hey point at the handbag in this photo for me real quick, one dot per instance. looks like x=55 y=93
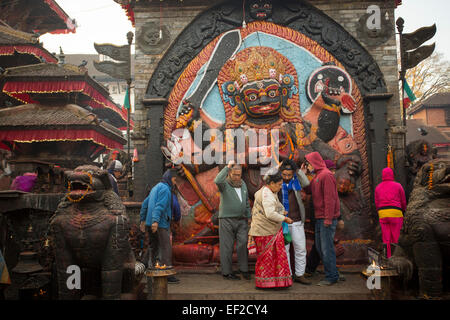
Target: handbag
x=251 y=245
x=286 y=234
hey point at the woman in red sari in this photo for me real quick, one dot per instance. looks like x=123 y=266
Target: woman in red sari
x=272 y=268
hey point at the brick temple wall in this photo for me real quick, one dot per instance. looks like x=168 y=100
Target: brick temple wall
x=177 y=15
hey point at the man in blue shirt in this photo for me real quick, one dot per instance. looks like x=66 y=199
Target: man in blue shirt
x=158 y=210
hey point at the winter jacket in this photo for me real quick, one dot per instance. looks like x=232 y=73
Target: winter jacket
x=267 y=213
x=230 y=204
x=324 y=190
x=144 y=209
x=389 y=195
x=159 y=206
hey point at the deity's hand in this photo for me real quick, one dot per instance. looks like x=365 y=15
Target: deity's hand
x=352 y=162
x=349 y=168
x=185 y=116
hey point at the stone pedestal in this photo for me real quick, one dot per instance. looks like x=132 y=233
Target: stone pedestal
x=158 y=280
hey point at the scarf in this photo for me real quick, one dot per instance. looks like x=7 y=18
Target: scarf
x=294 y=184
x=233 y=183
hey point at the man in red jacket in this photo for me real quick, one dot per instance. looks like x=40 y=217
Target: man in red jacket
x=326 y=211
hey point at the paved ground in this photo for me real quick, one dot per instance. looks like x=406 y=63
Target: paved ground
x=212 y=286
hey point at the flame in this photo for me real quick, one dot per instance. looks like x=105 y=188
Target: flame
x=157 y=266
x=374 y=264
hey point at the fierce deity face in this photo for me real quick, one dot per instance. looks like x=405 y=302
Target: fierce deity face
x=260 y=88
x=260 y=9
x=261 y=98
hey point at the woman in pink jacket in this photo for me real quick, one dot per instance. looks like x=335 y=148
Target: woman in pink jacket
x=390 y=202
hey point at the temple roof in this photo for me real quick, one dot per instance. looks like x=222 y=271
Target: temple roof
x=45 y=70
x=437 y=100
x=67 y=118
x=11 y=36
x=433 y=136
x=37 y=15
x=65 y=83
x=17 y=48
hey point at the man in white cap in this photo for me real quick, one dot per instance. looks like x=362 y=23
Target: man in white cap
x=115 y=171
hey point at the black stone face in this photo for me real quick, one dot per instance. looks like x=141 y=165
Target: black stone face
x=260 y=99
x=260 y=10
x=328 y=77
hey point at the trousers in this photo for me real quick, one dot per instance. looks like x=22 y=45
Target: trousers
x=390 y=231
x=299 y=242
x=160 y=248
x=233 y=230
x=324 y=237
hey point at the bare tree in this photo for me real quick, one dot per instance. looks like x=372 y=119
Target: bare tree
x=429 y=77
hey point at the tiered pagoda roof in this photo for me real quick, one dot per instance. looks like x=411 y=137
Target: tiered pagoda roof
x=37 y=15
x=21 y=48
x=51 y=132
x=50 y=83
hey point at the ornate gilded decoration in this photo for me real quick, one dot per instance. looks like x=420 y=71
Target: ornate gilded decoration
x=259 y=83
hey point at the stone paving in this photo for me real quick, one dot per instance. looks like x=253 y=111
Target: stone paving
x=212 y=286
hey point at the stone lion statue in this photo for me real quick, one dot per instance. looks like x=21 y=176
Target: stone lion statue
x=424 y=244
x=90 y=230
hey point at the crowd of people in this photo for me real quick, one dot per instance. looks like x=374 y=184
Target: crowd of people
x=274 y=223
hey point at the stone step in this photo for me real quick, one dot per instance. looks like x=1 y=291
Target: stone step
x=215 y=287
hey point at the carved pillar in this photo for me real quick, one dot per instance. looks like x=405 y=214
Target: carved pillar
x=154 y=159
x=375 y=109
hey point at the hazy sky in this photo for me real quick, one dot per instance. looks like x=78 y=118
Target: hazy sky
x=104 y=21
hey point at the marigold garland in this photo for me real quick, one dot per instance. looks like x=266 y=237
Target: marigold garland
x=87 y=189
x=430 y=177
x=390 y=158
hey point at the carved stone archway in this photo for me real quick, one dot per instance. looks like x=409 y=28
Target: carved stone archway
x=297 y=15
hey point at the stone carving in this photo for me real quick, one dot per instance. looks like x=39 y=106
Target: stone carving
x=418 y=153
x=119 y=53
x=298 y=15
x=90 y=229
x=424 y=241
x=260 y=9
x=150 y=40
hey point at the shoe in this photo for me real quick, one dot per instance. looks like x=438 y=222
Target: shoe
x=308 y=274
x=246 y=275
x=231 y=277
x=302 y=280
x=324 y=283
x=173 y=279
x=341 y=277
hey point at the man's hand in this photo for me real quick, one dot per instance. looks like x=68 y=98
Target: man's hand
x=288 y=220
x=326 y=224
x=303 y=168
x=340 y=225
x=142 y=226
x=230 y=164
x=154 y=227
x=285 y=213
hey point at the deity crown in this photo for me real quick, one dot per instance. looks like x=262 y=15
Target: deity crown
x=255 y=64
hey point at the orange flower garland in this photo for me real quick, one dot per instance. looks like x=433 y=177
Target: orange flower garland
x=390 y=157
x=87 y=189
x=430 y=177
